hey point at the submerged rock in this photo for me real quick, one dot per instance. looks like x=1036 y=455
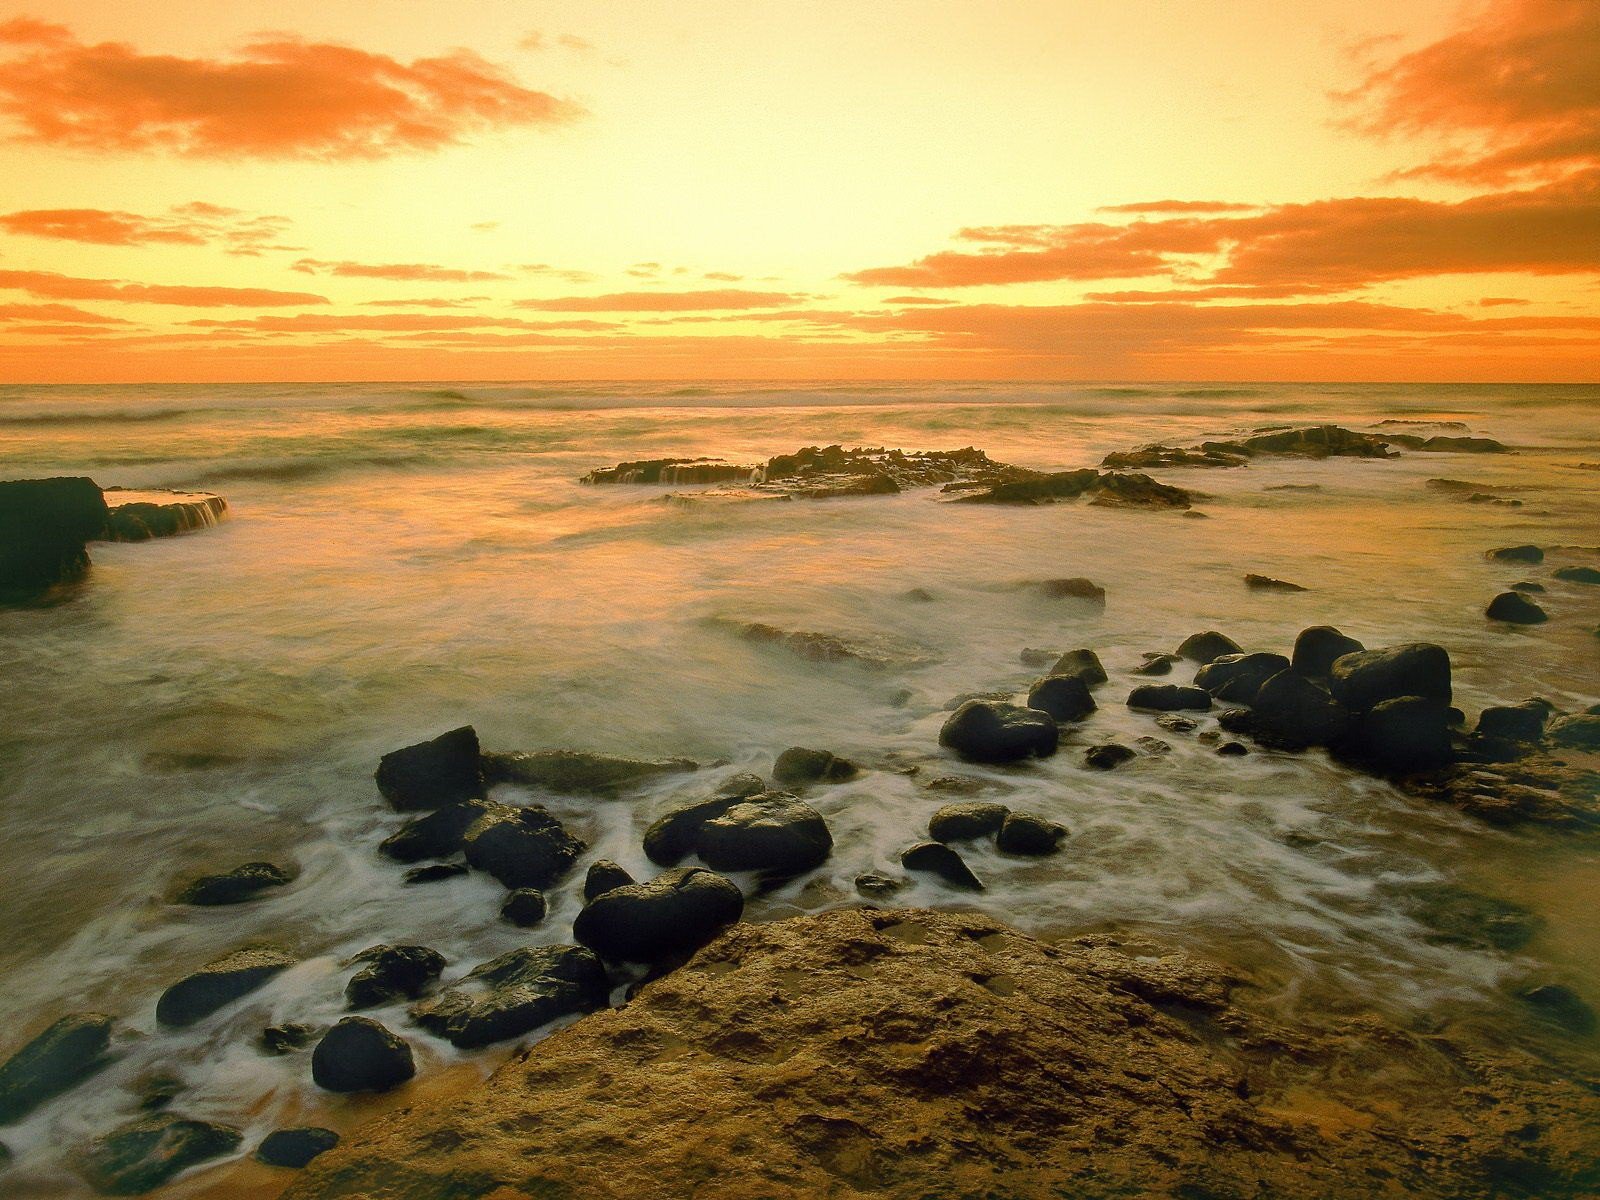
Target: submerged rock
x=360 y=1055
x=1207 y=647
x=1366 y=678
x=1561 y=1005
x=825 y=647
x=138 y=516
x=285 y=1038
x=1157 y=664
x=219 y=983
x=392 y=973
x=672 y=471
x=966 y=821
x=797 y=765
x=434 y=873
x=1316 y=648
x=1110 y=487
x=514 y=994
x=1169 y=697
x=875 y=885
x=1578 y=574
x=1064 y=697
x=990 y=732
x=294 y=1148
x=432 y=774
x=1462 y=445
x=575 y=771
x=1515 y=608
x=1027 y=834
x=45 y=525
x=521 y=847
x=938 y=859
x=1578 y=732
x=242 y=883
x=59 y=1059
x=1076 y=588
x=1107 y=755
x=1521 y=554
x=142 y=1155
x=678 y=911
x=1265 y=583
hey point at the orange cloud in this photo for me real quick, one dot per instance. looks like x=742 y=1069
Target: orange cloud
x=712 y=300
x=279 y=98
x=193 y=224
x=1177 y=206
x=386 y=323
x=52 y=286
x=55 y=312
x=403 y=272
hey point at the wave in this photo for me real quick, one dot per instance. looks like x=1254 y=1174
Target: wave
x=93 y=418
x=293 y=470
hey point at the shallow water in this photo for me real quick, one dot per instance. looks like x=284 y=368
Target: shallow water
x=403 y=559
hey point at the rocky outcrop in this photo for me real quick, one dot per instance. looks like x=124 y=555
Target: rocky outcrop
x=1578 y=575
x=514 y=994
x=138 y=516
x=1082 y=663
x=994 y=732
x=1207 y=647
x=1316 y=648
x=444 y=770
x=45 y=525
x=1238 y=677
x=59 y=1059
x=1366 y=678
x=1525 y=553
x=1064 y=697
x=437 y=834
x=1169 y=697
x=219 y=983
x=667 y=917
x=672 y=471
x=144 y=1154
x=1314 y=441
x=578 y=772
x=906 y=1053
x=1107 y=488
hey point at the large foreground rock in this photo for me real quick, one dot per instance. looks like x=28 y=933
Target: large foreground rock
x=678 y=911
x=60 y=1058
x=913 y=1054
x=44 y=525
x=1367 y=678
x=361 y=1055
x=445 y=770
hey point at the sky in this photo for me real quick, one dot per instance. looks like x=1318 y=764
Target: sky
x=767 y=189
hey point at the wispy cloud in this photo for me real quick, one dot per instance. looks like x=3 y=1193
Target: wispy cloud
x=49 y=285
x=399 y=272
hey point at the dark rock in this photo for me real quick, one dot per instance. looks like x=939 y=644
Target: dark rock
x=797 y=766
x=1522 y=554
x=432 y=774
x=672 y=836
x=1458 y=916
x=282 y=1039
x=875 y=885
x=1025 y=833
x=1174 y=723
x=985 y=731
x=1292 y=712
x=1578 y=574
x=741 y=786
x=392 y=973
x=1207 y=647
x=1317 y=647
x=219 y=983
x=1233 y=749
x=1579 y=732
x=671 y=471
x=675 y=913
x=521 y=847
x=524 y=907
x=813 y=646
x=1238 y=677
x=1515 y=608
x=1064 y=697
x=1076 y=588
x=142 y=1155
x=295 y=1147
x=514 y=994
x=44 y=525
x=578 y=772
x=939 y=859
x=1463 y=445
x=604 y=875
x=967 y=821
x=434 y=873
x=157 y=1090
x=1154 y=745
x=1039 y=658
x=60 y=1058
x=1132 y=488
x=918 y=595
x=1265 y=583
x=134 y=516
x=1514 y=722
x=439 y=833
x=1107 y=756
x=1169 y=697
x=771 y=832
x=1527 y=585
x=360 y=1055
x=1083 y=663
x=1318 y=441
x=1157 y=664
x=1560 y=1004
x=1368 y=677
x=1401 y=736
x=244 y=882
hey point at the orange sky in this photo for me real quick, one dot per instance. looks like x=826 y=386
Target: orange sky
x=1128 y=189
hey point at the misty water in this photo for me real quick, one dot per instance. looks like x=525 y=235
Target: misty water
x=402 y=559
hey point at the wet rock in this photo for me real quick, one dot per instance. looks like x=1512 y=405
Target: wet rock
x=1578 y=732
x=938 y=859
x=1064 y=697
x=1368 y=677
x=1317 y=441
x=142 y=1155
x=44 y=525
x=1027 y=834
x=1458 y=916
x=1169 y=697
x=295 y=1148
x=219 y=983
x=604 y=875
x=1292 y=712
x=1105 y=757
x=1233 y=749
x=1154 y=745
x=1521 y=554
x=138 y=516
x=521 y=847
x=918 y=595
x=1265 y=583
x=990 y=732
x=1076 y=588
x=439 y=833
x=524 y=907
x=1401 y=736
x=742 y=786
x=1175 y=723
x=576 y=772
x=666 y=917
x=157 y=1089
x=514 y=994
x=286 y=1038
x=673 y=835
x=1039 y=658
x=875 y=885
x=771 y=832
x=1238 y=677
x=1515 y=608
x=1316 y=648
x=434 y=873
x=1527 y=585
x=360 y=1055
x=432 y=774
x=1578 y=574
x=671 y=471
x=1207 y=647
x=1131 y=488
x=1157 y=664
x=392 y=973
x=244 y=882
x=967 y=821
x=1083 y=663
x=63 y=1056
x=1463 y=445
x=797 y=766
x=1561 y=1005
x=1514 y=722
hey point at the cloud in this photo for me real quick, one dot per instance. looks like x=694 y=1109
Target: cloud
x=564 y=273
x=52 y=286
x=279 y=97
x=724 y=298
x=402 y=272
x=194 y=224
x=386 y=323
x=55 y=312
x=1517 y=93
x=1177 y=206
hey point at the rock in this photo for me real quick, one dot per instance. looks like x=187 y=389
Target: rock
x=1039 y=658
x=1560 y=1004
x=1457 y=916
x=142 y=1155
x=514 y=994
x=1514 y=722
x=1317 y=647
x=1233 y=749
x=392 y=973
x=63 y=1056
x=244 y=882
x=875 y=885
x=1265 y=583
x=1033 y=487
x=282 y=1039
x=1076 y=588
x=672 y=471
x=1463 y=445
x=44 y=525
x=1154 y=745
x=296 y=1147
x=669 y=916
x=604 y=875
x=138 y=516
x=157 y=1089
x=1292 y=712
x=797 y=766
x=434 y=873
x=874 y=655
x=521 y=847
x=577 y=772
x=1527 y=585
x=1025 y=833
x=1085 y=664
x=1578 y=574
x=1157 y=664
x=1105 y=757
x=1238 y=677
x=1318 y=441
x=1368 y=677
x=939 y=859
x=1174 y=723
x=1207 y=647
x=432 y=774
x=439 y=833
x=360 y=1055
x=918 y=595
x=773 y=832
x=966 y=821
x=1401 y=736
x=524 y=907
x=219 y=983
x=672 y=836
x=742 y=786
x=1579 y=732
x=1064 y=697
x=1522 y=554
x=1515 y=608
x=1169 y=697
x=990 y=732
